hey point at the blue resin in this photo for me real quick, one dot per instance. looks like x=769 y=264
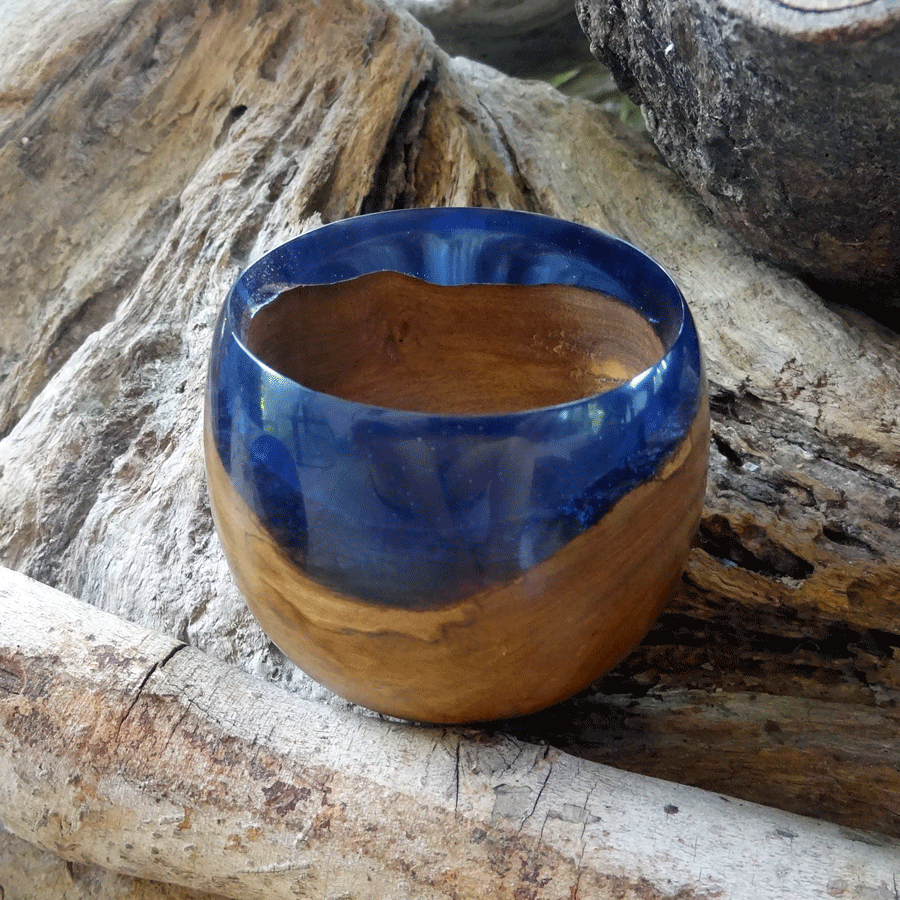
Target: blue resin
x=418 y=510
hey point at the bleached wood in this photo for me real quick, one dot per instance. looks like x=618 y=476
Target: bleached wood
x=29 y=873
x=127 y=748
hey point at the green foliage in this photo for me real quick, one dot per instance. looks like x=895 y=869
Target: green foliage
x=593 y=81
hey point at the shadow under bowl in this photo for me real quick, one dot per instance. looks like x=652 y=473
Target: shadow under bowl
x=456 y=457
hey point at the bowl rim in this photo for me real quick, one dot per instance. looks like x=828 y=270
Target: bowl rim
x=420 y=216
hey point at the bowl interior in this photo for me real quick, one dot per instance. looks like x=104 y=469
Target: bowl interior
x=388 y=339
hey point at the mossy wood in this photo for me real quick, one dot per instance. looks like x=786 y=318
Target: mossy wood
x=150 y=150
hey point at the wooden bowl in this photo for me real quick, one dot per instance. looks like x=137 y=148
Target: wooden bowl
x=456 y=457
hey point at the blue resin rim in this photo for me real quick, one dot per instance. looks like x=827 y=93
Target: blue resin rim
x=609 y=443
x=393 y=240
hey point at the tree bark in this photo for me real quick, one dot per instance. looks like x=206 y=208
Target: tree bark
x=780 y=115
x=149 y=150
x=125 y=747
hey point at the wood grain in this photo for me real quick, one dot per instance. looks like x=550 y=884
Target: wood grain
x=390 y=340
x=503 y=651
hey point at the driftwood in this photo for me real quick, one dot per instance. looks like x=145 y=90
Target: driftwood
x=148 y=150
x=29 y=873
x=782 y=116
x=128 y=747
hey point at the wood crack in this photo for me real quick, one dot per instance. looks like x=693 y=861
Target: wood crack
x=526 y=190
x=138 y=694
x=394 y=182
x=12 y=680
x=540 y=793
x=456 y=776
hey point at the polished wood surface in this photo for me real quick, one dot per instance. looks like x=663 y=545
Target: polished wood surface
x=390 y=340
x=504 y=651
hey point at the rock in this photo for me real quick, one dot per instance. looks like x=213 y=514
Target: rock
x=782 y=117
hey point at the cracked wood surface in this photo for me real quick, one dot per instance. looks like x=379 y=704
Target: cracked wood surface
x=126 y=746
x=149 y=150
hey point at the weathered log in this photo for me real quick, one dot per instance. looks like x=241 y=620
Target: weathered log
x=125 y=747
x=188 y=138
x=782 y=116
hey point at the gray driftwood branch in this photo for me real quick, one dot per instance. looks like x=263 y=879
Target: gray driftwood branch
x=125 y=748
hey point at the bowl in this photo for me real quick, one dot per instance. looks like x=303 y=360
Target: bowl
x=456 y=457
